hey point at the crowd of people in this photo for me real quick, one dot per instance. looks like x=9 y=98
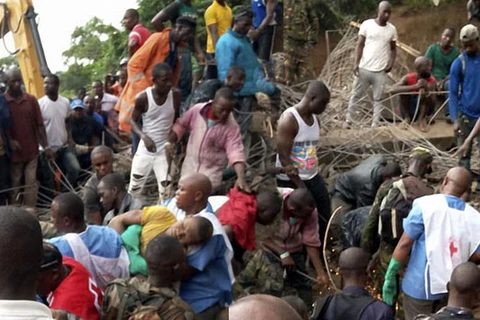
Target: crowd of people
x=109 y=253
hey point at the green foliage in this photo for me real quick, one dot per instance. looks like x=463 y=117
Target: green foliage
x=96 y=50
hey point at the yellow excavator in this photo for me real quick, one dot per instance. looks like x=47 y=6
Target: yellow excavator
x=18 y=17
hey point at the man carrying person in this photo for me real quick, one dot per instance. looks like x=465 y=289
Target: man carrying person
x=440 y=232
x=264 y=24
x=160 y=47
x=416 y=107
x=354 y=302
x=99 y=249
x=207 y=287
x=394 y=200
x=297 y=139
x=156 y=109
x=138 y=34
x=114 y=197
x=465 y=103
x=67 y=285
x=214 y=140
x=294 y=231
x=20 y=265
x=206 y=90
x=375 y=55
x=102 y=162
x=26 y=131
x=442 y=54
x=463 y=290
x=218 y=18
x=55 y=111
x=165 y=258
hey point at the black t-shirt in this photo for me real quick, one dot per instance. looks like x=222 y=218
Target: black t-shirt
x=84 y=129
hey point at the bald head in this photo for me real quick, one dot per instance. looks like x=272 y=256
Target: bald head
x=465 y=278
x=457 y=181
x=101 y=150
x=384 y=5
x=383 y=13
x=419 y=61
x=198 y=182
x=353 y=258
x=260 y=307
x=301 y=197
x=13 y=79
x=316 y=97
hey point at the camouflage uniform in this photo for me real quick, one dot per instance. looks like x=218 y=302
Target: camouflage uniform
x=138 y=300
x=300 y=32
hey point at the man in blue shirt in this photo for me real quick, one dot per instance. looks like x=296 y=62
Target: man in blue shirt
x=464 y=96
x=207 y=286
x=235 y=49
x=436 y=246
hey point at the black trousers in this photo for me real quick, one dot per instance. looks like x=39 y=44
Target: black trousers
x=4 y=179
x=318 y=189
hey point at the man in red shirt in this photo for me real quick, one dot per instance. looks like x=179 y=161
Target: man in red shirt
x=27 y=131
x=421 y=81
x=67 y=285
x=138 y=33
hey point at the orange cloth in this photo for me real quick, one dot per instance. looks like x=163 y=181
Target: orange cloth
x=116 y=89
x=155 y=50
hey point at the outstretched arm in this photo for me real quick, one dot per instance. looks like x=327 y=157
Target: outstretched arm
x=121 y=222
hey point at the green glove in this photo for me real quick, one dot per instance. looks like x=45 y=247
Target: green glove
x=390 y=287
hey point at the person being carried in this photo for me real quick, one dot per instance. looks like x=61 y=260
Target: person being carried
x=138 y=227
x=440 y=232
x=67 y=285
x=354 y=302
x=239 y=214
x=207 y=89
x=463 y=290
x=114 y=198
x=298 y=136
x=102 y=161
x=294 y=231
x=156 y=296
x=214 y=140
x=156 y=109
x=99 y=249
x=392 y=204
x=138 y=34
x=416 y=107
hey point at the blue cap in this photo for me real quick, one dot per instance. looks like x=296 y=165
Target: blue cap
x=77 y=103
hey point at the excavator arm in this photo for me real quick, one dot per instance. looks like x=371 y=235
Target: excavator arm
x=18 y=17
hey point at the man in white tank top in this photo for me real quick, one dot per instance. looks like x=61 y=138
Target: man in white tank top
x=156 y=109
x=297 y=140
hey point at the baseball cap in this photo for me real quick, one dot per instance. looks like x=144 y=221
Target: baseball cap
x=469 y=33
x=77 y=103
x=51 y=256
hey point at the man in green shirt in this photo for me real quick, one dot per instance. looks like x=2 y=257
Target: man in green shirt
x=442 y=54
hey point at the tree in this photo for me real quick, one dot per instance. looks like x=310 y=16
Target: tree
x=96 y=49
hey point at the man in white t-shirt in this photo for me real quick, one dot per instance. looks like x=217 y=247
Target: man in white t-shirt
x=375 y=56
x=55 y=110
x=107 y=105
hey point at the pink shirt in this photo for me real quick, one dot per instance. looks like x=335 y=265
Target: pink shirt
x=292 y=237
x=139 y=33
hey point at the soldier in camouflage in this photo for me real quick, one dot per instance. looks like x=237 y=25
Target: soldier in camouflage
x=300 y=33
x=420 y=161
x=154 y=298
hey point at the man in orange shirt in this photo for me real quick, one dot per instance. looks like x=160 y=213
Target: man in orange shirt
x=160 y=47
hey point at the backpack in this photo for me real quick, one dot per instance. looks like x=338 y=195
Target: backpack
x=345 y=306
x=396 y=206
x=136 y=299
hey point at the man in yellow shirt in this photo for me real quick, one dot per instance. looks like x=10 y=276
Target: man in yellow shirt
x=218 y=18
